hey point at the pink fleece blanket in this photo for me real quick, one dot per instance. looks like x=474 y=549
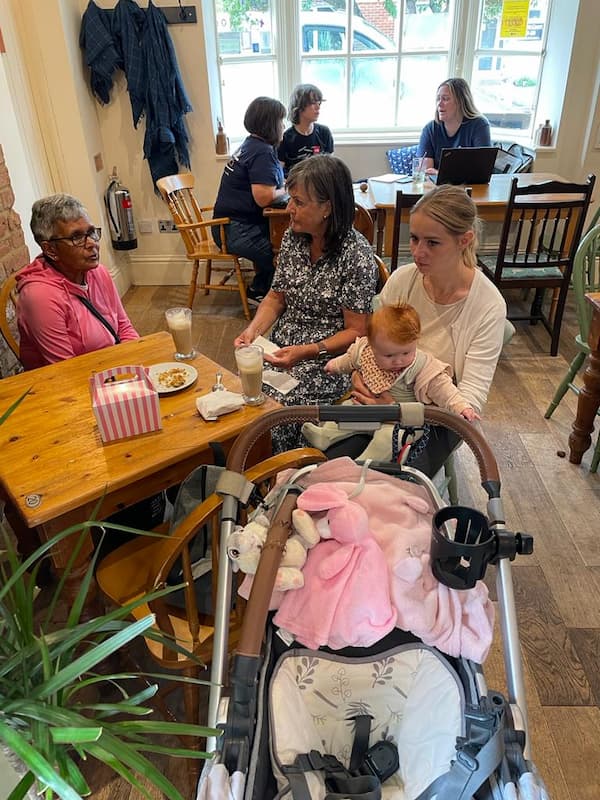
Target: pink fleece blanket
x=456 y=622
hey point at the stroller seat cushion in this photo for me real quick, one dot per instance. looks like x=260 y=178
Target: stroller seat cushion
x=413 y=695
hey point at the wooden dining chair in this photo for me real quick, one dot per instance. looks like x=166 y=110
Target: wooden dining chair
x=8 y=308
x=586 y=278
x=540 y=235
x=178 y=193
x=363 y=223
x=145 y=564
x=404 y=202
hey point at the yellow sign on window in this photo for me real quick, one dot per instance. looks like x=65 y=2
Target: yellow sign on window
x=514 y=19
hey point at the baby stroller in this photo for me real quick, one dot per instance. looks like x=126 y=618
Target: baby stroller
x=395 y=718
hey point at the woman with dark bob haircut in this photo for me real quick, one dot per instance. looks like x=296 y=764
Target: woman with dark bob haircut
x=305 y=137
x=321 y=294
x=252 y=180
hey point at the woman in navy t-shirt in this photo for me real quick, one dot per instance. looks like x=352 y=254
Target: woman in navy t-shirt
x=457 y=123
x=252 y=180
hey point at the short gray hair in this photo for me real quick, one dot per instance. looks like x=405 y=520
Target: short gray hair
x=45 y=213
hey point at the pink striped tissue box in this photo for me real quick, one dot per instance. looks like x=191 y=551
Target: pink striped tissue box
x=125 y=403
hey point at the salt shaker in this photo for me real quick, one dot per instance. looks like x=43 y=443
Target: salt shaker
x=218 y=386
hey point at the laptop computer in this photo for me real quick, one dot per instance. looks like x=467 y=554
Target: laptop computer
x=460 y=165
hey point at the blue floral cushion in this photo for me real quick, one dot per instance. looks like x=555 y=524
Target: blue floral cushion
x=401 y=159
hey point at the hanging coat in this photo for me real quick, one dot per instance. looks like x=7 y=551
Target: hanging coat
x=166 y=140
x=101 y=53
x=139 y=42
x=128 y=30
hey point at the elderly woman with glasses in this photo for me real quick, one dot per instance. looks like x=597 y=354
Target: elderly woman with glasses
x=68 y=302
x=306 y=137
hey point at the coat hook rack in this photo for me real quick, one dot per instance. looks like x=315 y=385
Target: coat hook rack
x=177 y=15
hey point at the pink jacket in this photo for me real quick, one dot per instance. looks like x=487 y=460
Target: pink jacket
x=55 y=325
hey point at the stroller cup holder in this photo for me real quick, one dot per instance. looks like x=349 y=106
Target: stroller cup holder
x=463 y=544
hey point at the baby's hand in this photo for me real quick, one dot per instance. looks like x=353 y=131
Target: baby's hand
x=469 y=414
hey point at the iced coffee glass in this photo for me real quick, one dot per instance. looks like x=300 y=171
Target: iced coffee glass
x=249 y=360
x=179 y=321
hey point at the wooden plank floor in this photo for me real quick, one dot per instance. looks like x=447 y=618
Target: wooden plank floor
x=557 y=589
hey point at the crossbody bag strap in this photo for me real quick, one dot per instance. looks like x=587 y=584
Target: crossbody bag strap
x=93 y=310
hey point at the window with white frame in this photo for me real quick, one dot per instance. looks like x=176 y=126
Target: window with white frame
x=378 y=62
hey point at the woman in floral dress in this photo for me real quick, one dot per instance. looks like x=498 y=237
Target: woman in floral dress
x=322 y=290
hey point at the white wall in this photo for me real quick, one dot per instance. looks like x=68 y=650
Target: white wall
x=76 y=127
x=20 y=163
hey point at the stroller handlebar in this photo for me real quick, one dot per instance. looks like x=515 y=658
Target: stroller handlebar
x=488 y=468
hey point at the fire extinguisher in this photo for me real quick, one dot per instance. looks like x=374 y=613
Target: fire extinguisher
x=120 y=214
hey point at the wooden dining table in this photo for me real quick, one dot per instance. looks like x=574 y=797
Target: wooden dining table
x=55 y=470
x=379 y=198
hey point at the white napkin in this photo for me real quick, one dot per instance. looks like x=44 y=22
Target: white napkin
x=282 y=381
x=267 y=345
x=213 y=404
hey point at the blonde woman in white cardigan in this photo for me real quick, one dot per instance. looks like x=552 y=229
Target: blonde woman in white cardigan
x=463 y=315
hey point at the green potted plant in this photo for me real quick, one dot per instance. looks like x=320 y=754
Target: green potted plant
x=48 y=671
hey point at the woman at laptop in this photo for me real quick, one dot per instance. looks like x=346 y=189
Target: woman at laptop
x=462 y=313
x=457 y=123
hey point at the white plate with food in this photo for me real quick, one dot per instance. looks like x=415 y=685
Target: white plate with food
x=172 y=376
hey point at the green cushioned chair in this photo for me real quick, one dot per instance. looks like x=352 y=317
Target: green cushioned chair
x=586 y=278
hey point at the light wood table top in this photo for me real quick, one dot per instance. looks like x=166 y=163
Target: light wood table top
x=485 y=195
x=54 y=466
x=380 y=199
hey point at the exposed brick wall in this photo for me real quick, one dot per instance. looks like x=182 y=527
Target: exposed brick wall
x=375 y=14
x=13 y=255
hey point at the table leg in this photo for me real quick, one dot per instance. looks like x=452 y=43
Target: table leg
x=587 y=406
x=379 y=240
x=62 y=552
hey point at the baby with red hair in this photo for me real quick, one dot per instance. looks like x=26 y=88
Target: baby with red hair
x=390 y=361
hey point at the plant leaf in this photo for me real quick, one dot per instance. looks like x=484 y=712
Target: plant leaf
x=22 y=787
x=133 y=727
x=36 y=763
x=12 y=407
x=88 y=660
x=75 y=735
x=129 y=757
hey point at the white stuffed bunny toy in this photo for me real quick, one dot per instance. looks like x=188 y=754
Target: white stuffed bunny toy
x=245 y=544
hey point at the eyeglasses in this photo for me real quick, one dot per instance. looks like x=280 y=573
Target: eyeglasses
x=79 y=239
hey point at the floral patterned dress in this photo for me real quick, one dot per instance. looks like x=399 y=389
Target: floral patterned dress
x=315 y=296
